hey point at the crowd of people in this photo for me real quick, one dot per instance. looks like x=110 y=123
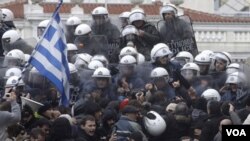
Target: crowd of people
x=126 y=83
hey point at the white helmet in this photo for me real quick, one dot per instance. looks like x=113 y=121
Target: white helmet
x=82 y=60
x=127 y=60
x=129 y=29
x=12 y=35
x=191 y=66
x=168 y=8
x=125 y=14
x=34 y=70
x=84 y=56
x=211 y=94
x=16 y=54
x=234 y=67
x=82 y=29
x=202 y=59
x=43 y=23
x=101 y=72
x=224 y=56
x=190 y=70
x=159 y=50
x=101 y=58
x=236 y=78
x=136 y=16
x=41 y=27
x=140 y=58
x=27 y=57
x=71 y=47
x=71 y=21
x=154 y=123
x=13 y=72
x=7 y=15
x=128 y=51
x=209 y=53
x=100 y=11
x=94 y=64
x=140 y=10
x=185 y=54
x=72 y=68
x=13 y=80
x=158 y=72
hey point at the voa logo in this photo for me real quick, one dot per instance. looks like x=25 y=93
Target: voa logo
x=236 y=132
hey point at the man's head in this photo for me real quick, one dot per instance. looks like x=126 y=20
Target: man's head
x=88 y=124
x=168 y=12
x=222 y=60
x=102 y=77
x=100 y=15
x=37 y=134
x=131 y=112
x=224 y=122
x=137 y=19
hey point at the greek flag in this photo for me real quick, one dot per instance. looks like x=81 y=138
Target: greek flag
x=50 y=56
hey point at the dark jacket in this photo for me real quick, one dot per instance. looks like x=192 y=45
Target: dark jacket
x=211 y=127
x=125 y=125
x=83 y=136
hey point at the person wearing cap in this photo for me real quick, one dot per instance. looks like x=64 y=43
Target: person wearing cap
x=127 y=124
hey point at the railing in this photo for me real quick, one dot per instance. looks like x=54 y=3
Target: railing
x=222 y=36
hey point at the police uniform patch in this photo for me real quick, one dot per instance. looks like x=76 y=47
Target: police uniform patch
x=203 y=58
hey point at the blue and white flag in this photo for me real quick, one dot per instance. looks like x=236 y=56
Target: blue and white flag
x=50 y=56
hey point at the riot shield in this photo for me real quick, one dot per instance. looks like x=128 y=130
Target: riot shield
x=178 y=34
x=109 y=49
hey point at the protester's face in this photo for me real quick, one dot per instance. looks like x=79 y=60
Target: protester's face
x=45 y=129
x=98 y=115
x=133 y=116
x=89 y=127
x=39 y=138
x=111 y=122
x=220 y=65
